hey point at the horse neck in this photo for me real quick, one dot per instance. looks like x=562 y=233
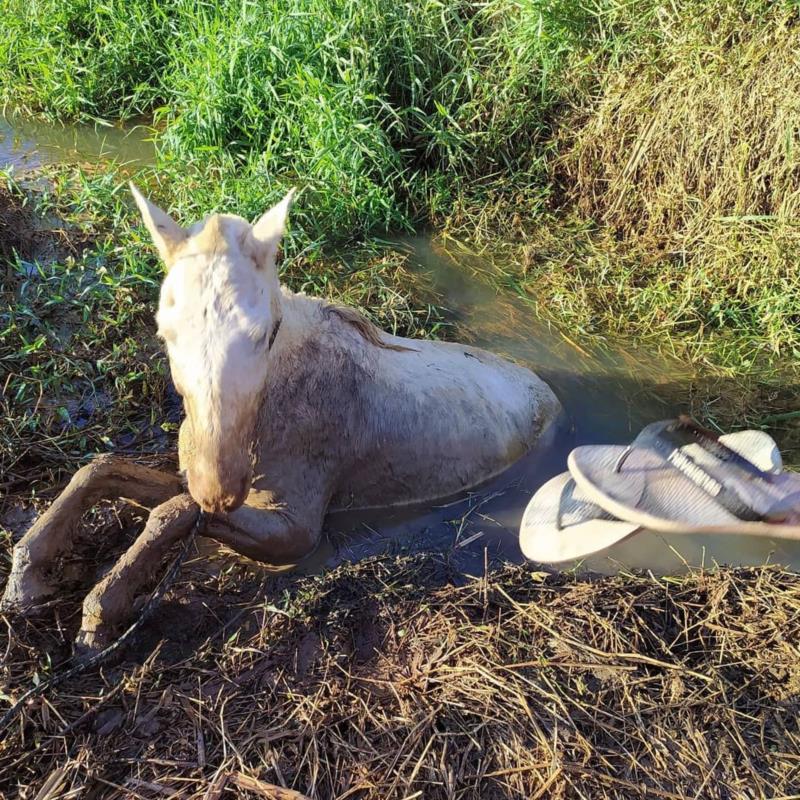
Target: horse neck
x=305 y=322
x=300 y=319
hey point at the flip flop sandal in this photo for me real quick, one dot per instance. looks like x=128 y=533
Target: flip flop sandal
x=680 y=478
x=561 y=523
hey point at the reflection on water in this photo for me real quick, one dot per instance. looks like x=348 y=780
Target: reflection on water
x=608 y=396
x=27 y=143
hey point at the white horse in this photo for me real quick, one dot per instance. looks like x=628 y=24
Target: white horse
x=293 y=406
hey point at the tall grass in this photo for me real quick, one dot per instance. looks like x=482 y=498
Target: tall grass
x=387 y=112
x=687 y=163
x=665 y=134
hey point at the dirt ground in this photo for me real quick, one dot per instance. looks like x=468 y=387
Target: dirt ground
x=17 y=232
x=25 y=235
x=396 y=678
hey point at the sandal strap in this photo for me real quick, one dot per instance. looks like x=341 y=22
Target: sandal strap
x=670 y=441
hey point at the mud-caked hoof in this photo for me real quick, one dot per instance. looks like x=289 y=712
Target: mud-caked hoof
x=90 y=642
x=26 y=590
x=106 y=610
x=25 y=603
x=9 y=607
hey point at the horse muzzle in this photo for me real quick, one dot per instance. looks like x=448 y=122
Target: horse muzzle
x=219 y=488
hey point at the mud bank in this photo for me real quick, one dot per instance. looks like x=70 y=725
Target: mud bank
x=393 y=678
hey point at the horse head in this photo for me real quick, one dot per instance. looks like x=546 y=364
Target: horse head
x=218 y=314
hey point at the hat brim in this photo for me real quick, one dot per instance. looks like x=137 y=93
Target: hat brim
x=648 y=491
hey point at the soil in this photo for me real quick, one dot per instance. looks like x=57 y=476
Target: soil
x=393 y=678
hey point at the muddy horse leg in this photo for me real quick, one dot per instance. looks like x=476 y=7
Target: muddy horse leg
x=276 y=537
x=53 y=534
x=110 y=603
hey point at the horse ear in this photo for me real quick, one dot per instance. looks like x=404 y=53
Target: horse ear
x=268 y=230
x=165 y=232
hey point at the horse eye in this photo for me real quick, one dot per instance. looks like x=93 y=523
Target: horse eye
x=261 y=342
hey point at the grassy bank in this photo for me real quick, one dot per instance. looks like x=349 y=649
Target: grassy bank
x=382 y=680
x=634 y=166
x=631 y=169
x=680 y=181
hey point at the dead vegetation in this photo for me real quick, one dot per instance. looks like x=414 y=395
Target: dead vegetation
x=689 y=158
x=392 y=678
x=671 y=149
x=676 y=190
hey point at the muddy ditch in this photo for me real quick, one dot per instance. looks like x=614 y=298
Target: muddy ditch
x=26 y=236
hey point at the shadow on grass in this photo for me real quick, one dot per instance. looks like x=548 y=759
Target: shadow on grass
x=384 y=679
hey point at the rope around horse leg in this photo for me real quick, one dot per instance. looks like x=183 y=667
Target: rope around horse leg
x=149 y=607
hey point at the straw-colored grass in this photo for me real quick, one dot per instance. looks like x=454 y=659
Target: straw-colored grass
x=689 y=160
x=384 y=680
x=703 y=132
x=675 y=192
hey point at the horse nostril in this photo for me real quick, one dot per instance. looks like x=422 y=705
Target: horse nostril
x=232 y=501
x=218 y=496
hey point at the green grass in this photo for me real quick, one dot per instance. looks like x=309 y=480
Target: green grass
x=387 y=113
x=630 y=167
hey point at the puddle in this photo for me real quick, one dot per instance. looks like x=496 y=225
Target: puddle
x=27 y=143
x=608 y=396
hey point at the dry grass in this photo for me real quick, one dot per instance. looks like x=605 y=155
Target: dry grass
x=675 y=190
x=706 y=131
x=687 y=164
x=387 y=679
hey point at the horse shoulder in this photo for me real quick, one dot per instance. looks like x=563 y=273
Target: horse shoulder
x=314 y=398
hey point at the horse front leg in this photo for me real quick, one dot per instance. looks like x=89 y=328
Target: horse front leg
x=110 y=603
x=53 y=535
x=276 y=535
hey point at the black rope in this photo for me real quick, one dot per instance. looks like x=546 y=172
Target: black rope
x=87 y=663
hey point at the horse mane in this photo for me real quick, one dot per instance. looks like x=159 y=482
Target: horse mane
x=366 y=329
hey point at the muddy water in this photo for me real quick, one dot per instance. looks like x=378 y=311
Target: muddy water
x=608 y=395
x=28 y=143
